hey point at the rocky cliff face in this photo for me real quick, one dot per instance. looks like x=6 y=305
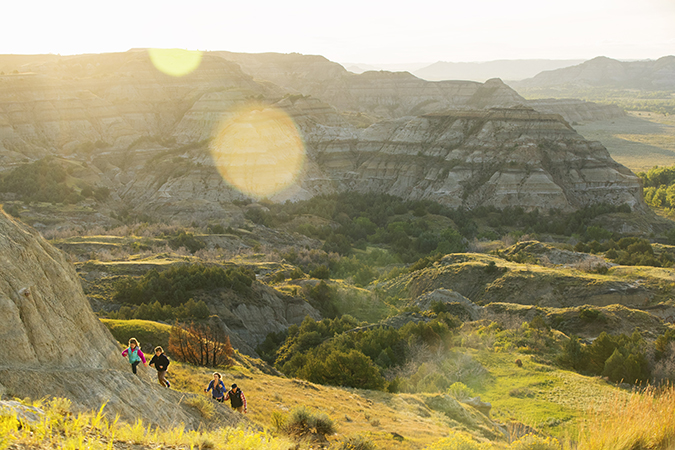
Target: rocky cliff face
x=142 y=134
x=246 y=319
x=382 y=93
x=498 y=157
x=108 y=102
x=51 y=344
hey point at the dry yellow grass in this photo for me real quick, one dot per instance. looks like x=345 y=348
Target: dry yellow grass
x=373 y=414
x=643 y=421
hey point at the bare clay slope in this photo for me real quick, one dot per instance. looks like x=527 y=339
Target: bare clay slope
x=51 y=344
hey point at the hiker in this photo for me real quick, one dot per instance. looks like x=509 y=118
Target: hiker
x=134 y=353
x=161 y=362
x=217 y=387
x=237 y=399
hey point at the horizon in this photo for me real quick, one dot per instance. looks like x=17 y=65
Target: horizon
x=355 y=33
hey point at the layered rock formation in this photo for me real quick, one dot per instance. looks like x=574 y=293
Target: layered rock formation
x=144 y=135
x=381 y=93
x=51 y=344
x=79 y=104
x=498 y=157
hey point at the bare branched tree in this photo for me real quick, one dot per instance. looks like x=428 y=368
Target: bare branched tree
x=201 y=344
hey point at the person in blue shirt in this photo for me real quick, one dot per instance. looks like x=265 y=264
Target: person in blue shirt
x=217 y=388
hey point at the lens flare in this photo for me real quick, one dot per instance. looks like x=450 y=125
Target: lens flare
x=259 y=151
x=174 y=61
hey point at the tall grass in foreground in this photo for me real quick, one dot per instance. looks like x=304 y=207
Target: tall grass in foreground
x=643 y=421
x=58 y=429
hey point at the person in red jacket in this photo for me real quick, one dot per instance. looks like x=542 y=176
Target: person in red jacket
x=237 y=399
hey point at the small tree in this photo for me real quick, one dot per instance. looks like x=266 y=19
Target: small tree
x=201 y=344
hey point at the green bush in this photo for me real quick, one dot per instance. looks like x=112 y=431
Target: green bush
x=174 y=285
x=40 y=181
x=322 y=273
x=589 y=314
x=460 y=391
x=187 y=240
x=339 y=368
x=302 y=423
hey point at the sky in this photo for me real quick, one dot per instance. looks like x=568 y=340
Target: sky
x=356 y=31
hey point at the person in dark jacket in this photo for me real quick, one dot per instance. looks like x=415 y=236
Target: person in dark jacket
x=161 y=362
x=217 y=387
x=237 y=399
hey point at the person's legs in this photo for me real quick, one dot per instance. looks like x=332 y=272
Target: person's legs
x=133 y=366
x=221 y=399
x=240 y=409
x=161 y=376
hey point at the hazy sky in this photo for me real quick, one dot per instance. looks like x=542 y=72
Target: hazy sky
x=363 y=31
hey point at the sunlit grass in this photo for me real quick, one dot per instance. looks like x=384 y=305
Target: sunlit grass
x=612 y=419
x=641 y=421
x=94 y=430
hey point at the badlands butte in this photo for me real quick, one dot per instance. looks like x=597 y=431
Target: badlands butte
x=145 y=135
x=433 y=153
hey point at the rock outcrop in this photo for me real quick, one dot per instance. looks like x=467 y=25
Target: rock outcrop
x=51 y=344
x=380 y=93
x=496 y=157
x=143 y=135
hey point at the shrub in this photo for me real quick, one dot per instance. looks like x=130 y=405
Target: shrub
x=322 y=273
x=357 y=442
x=41 y=181
x=201 y=404
x=187 y=240
x=303 y=423
x=173 y=285
x=491 y=268
x=589 y=314
x=460 y=391
x=339 y=368
x=12 y=210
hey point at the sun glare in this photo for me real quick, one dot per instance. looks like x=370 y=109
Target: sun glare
x=259 y=151
x=174 y=61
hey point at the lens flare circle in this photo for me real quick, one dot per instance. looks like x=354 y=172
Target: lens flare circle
x=259 y=151
x=175 y=61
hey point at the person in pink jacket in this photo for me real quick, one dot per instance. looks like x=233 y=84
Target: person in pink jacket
x=134 y=353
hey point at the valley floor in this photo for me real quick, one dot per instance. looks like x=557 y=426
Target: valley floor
x=639 y=141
